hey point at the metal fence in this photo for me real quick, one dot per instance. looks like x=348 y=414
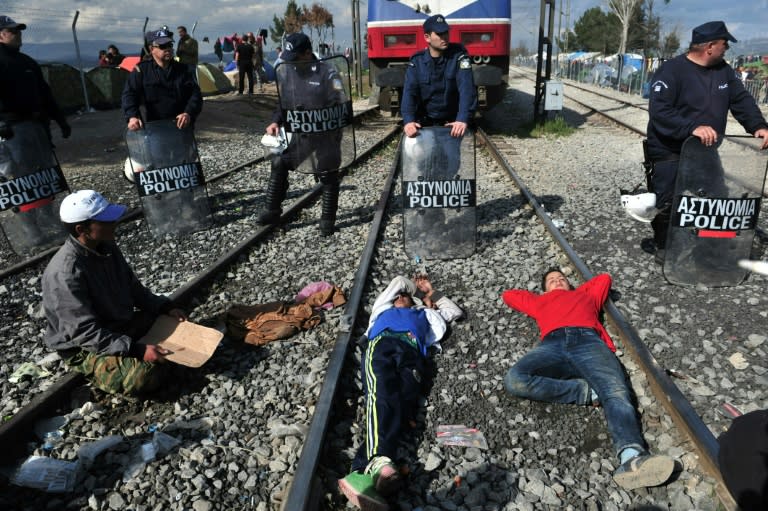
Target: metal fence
x=623 y=78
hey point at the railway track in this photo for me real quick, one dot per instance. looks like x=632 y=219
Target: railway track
x=260 y=425
x=630 y=112
x=136 y=213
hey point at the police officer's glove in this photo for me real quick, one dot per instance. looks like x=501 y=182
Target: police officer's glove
x=6 y=131
x=66 y=129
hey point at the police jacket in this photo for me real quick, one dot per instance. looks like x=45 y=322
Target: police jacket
x=165 y=93
x=685 y=95
x=306 y=85
x=441 y=89
x=24 y=94
x=89 y=298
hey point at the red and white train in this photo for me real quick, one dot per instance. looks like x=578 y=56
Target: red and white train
x=395 y=34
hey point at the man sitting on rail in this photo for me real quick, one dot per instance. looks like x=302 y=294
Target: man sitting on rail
x=575 y=363
x=90 y=297
x=399 y=334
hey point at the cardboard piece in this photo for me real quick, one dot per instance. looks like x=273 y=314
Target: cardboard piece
x=190 y=344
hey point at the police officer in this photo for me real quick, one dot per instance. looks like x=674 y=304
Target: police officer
x=691 y=95
x=439 y=89
x=24 y=94
x=167 y=88
x=318 y=85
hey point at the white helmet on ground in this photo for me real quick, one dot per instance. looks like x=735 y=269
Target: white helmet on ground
x=760 y=267
x=131 y=167
x=641 y=207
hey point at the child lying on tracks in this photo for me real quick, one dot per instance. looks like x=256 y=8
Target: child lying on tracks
x=575 y=363
x=399 y=334
x=89 y=297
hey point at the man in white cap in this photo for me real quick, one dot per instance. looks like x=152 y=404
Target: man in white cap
x=691 y=95
x=91 y=297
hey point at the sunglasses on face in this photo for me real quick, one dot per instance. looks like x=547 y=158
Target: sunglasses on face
x=166 y=46
x=12 y=30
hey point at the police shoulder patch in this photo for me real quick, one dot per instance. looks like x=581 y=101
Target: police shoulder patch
x=465 y=63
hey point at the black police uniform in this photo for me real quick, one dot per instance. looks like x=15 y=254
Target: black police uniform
x=318 y=85
x=165 y=93
x=439 y=90
x=24 y=94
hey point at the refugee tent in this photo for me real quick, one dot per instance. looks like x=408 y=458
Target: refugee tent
x=110 y=81
x=212 y=80
x=66 y=85
x=130 y=62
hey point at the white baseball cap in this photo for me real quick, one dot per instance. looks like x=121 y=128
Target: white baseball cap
x=89 y=205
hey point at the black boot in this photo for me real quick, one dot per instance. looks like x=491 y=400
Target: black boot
x=660 y=225
x=276 y=190
x=330 y=203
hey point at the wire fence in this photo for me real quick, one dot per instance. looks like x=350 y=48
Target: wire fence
x=631 y=78
x=49 y=36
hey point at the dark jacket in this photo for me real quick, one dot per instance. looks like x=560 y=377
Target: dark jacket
x=685 y=95
x=441 y=89
x=165 y=93
x=24 y=94
x=89 y=299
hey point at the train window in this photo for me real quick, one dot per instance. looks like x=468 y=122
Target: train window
x=476 y=37
x=397 y=40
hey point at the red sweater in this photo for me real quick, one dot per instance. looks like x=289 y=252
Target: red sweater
x=558 y=308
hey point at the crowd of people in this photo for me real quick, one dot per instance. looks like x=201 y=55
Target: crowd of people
x=97 y=309
x=111 y=57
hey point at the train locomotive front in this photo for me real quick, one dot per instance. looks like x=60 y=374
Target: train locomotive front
x=395 y=34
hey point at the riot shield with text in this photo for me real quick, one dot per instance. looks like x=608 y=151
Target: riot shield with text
x=317 y=114
x=31 y=188
x=439 y=193
x=714 y=214
x=169 y=178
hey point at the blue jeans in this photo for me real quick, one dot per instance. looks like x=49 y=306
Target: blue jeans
x=565 y=366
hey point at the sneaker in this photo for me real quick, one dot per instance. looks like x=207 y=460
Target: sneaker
x=385 y=476
x=360 y=491
x=644 y=470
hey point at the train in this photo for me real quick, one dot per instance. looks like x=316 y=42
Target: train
x=395 y=33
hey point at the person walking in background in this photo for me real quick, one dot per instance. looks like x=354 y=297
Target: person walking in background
x=186 y=49
x=244 y=57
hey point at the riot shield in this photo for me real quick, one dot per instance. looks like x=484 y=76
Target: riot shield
x=31 y=188
x=169 y=178
x=440 y=195
x=317 y=114
x=714 y=214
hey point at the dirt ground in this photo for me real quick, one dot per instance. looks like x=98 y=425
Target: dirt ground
x=98 y=138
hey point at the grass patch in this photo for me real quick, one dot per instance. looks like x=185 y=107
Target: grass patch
x=556 y=127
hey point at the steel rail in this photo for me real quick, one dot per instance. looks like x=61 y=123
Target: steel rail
x=639 y=131
x=300 y=491
x=664 y=389
x=14 y=433
x=138 y=212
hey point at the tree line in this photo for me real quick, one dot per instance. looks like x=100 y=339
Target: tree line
x=316 y=18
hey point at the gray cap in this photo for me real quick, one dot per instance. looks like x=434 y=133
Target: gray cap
x=7 y=22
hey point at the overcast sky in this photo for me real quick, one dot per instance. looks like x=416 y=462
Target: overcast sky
x=51 y=20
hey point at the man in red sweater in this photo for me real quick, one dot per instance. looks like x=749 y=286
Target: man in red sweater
x=575 y=363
